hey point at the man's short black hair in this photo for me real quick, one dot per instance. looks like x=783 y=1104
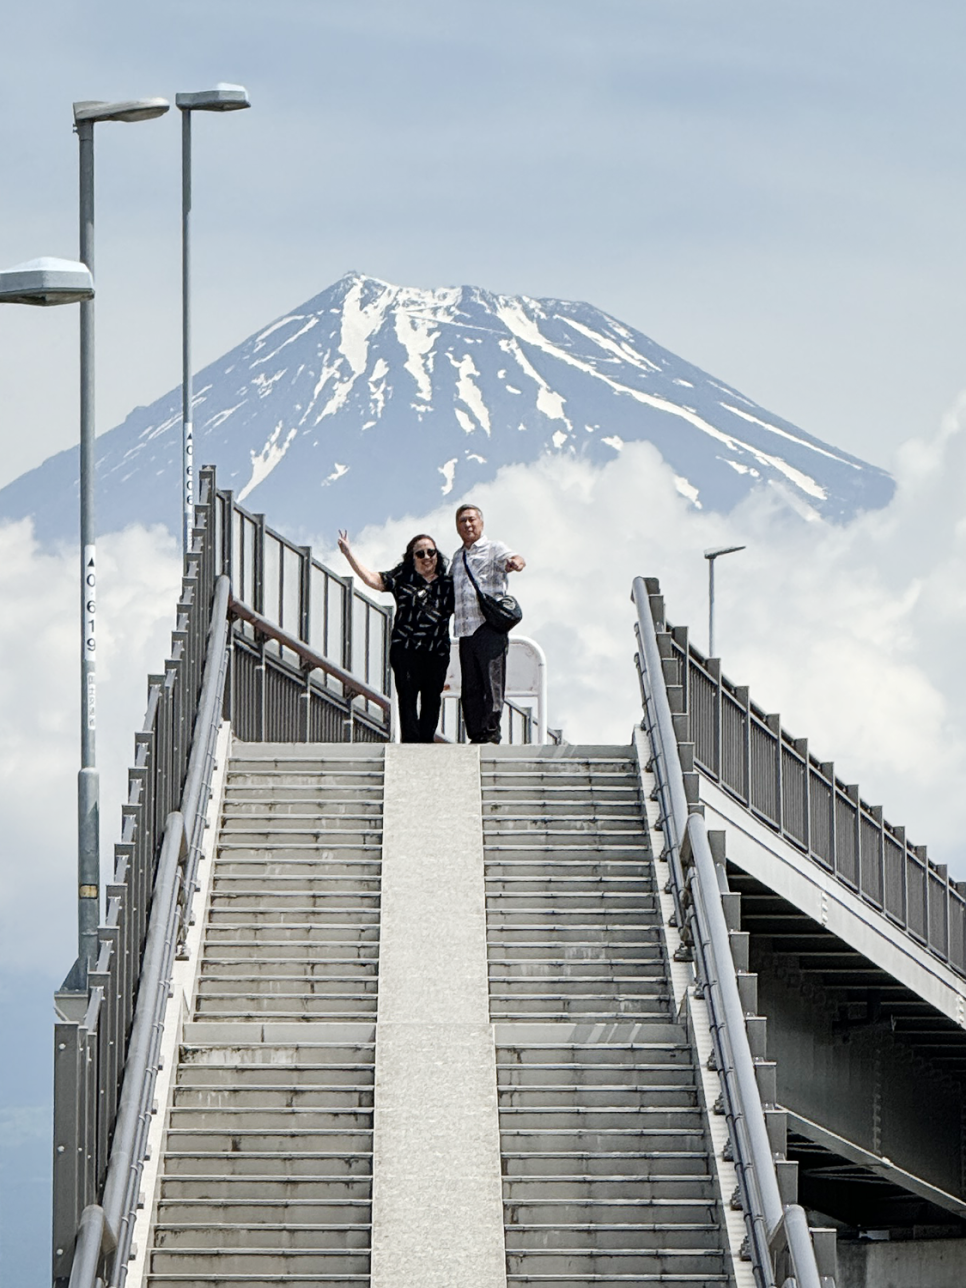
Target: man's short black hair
x=461 y=508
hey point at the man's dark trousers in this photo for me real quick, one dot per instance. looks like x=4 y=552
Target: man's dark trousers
x=482 y=681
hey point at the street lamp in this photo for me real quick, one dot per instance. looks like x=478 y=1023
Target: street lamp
x=86 y=115
x=47 y=282
x=711 y=555
x=223 y=98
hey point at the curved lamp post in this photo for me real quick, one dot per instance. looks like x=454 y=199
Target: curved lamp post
x=86 y=115
x=711 y=555
x=223 y=98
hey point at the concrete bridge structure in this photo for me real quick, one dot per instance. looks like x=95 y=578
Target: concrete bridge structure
x=685 y=1011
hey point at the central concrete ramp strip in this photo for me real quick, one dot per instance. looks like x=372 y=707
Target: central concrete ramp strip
x=437 y=1208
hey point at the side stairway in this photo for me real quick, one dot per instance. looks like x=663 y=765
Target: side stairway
x=266 y=1176
x=606 y=1156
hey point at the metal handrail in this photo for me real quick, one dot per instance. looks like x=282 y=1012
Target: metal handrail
x=770 y=1223
x=312 y=659
x=107 y=1227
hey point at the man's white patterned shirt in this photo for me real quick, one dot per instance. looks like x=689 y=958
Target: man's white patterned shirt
x=488 y=560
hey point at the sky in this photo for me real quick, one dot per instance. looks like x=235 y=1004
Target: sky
x=773 y=192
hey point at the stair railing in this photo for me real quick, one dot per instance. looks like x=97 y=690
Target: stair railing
x=779 y=1240
x=103 y=1244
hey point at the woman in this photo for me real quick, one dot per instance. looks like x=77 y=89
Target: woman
x=419 y=649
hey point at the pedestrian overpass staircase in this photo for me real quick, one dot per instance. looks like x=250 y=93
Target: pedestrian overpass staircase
x=600 y=1130
x=686 y=1011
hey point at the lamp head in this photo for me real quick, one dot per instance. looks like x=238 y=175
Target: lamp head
x=722 y=550
x=45 y=282
x=223 y=98
x=137 y=109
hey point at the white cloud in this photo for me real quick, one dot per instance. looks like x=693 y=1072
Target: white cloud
x=138 y=574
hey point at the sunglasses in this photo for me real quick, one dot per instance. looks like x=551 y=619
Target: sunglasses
x=425 y=554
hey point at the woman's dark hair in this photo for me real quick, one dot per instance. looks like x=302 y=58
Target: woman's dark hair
x=409 y=559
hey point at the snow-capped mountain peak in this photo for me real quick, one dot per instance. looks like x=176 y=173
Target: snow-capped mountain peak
x=373 y=400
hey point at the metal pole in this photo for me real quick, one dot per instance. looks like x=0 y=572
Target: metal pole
x=711 y=607
x=88 y=829
x=187 y=436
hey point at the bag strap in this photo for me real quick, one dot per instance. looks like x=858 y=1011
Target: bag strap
x=476 y=584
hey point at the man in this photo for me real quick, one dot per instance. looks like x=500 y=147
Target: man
x=482 y=649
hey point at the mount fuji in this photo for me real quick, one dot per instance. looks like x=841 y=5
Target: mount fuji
x=371 y=401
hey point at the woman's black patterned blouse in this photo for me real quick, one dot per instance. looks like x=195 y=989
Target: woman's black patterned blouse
x=423 y=610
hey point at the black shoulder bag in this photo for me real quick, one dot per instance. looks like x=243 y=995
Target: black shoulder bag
x=501 y=612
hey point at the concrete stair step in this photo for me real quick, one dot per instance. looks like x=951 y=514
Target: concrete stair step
x=496 y=808
x=290 y=967
x=268 y=1211
x=288 y=1077
x=595 y=897
x=658 y=1213
x=298 y=913
x=239 y=1279
x=583 y=1165
x=570 y=976
x=621 y=1237
x=312 y=806
x=632 y=1262
x=339 y=792
x=565 y=827
x=612 y=1098
x=668 y=1279
x=288 y=849
x=646 y=946
x=601 y=1140
x=588 y=1118
x=601 y=883
x=596 y=1079
x=587 y=849
x=581 y=928
x=547 y=1191
x=320 y=1011
x=259 y=1189
x=304 y=774
x=584 y=798
x=560 y=1009
x=571 y=985
x=251 y=1119
x=273 y=837
x=361 y=870
x=282 y=1262
x=239 y=1140
x=308 y=875
x=322 y=983
x=259 y=1096
x=182 y=1161
x=547 y=867
x=305 y=939
x=258 y=1236
x=310 y=1052
x=599 y=1055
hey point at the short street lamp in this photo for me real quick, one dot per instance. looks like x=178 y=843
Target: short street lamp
x=223 y=98
x=86 y=116
x=47 y=282
x=711 y=555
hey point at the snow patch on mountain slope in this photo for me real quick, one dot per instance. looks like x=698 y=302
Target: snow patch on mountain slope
x=265 y=461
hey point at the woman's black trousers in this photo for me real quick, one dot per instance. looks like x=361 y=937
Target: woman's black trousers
x=420 y=676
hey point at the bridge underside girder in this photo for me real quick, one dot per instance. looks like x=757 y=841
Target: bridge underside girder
x=872 y=1074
